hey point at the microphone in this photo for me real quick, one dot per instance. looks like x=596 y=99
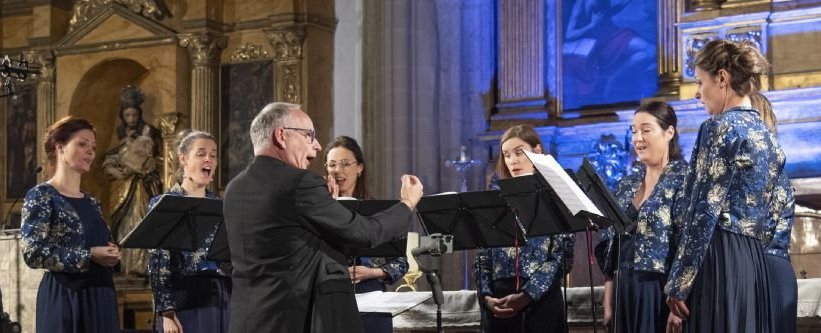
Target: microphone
x=19 y=195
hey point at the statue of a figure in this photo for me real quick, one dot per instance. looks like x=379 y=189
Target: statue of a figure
x=133 y=165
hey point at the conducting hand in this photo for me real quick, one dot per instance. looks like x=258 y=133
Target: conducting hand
x=411 y=191
x=107 y=256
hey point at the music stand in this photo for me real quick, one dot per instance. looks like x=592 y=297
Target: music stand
x=594 y=187
x=219 y=250
x=476 y=220
x=463 y=221
x=393 y=248
x=176 y=223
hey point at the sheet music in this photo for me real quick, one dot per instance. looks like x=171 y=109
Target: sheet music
x=390 y=302
x=573 y=196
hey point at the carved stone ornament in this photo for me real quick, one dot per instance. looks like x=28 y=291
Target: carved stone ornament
x=248 y=52
x=85 y=9
x=170 y=123
x=609 y=158
x=204 y=48
x=44 y=61
x=291 y=83
x=752 y=37
x=692 y=46
x=287 y=44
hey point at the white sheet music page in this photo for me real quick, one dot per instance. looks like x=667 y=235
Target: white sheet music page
x=390 y=302
x=573 y=196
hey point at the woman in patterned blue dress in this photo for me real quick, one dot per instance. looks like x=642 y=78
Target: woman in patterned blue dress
x=345 y=164
x=520 y=288
x=783 y=285
x=649 y=198
x=64 y=232
x=191 y=293
x=718 y=281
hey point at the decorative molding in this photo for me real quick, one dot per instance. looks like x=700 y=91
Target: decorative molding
x=204 y=48
x=287 y=44
x=170 y=124
x=160 y=31
x=692 y=45
x=291 y=82
x=118 y=45
x=85 y=10
x=669 y=70
x=702 y=5
x=609 y=158
x=248 y=52
x=751 y=36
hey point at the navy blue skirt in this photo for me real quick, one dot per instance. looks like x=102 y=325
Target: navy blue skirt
x=202 y=304
x=731 y=290
x=640 y=303
x=545 y=315
x=76 y=303
x=783 y=293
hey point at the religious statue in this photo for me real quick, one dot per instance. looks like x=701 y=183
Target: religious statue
x=133 y=165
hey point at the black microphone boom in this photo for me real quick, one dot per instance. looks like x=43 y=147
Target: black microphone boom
x=16 y=199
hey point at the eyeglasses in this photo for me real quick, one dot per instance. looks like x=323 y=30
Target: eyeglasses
x=343 y=164
x=309 y=133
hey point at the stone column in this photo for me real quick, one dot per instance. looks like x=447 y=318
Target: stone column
x=169 y=126
x=46 y=111
x=668 y=46
x=699 y=5
x=287 y=44
x=204 y=49
x=526 y=46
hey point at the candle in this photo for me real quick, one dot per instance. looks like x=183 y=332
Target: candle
x=413 y=242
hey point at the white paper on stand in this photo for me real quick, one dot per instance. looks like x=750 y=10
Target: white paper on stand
x=573 y=196
x=390 y=302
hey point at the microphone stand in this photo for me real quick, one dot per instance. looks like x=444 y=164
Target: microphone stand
x=434 y=245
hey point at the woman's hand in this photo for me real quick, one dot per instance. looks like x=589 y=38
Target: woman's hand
x=362 y=273
x=333 y=187
x=518 y=302
x=673 y=324
x=608 y=303
x=498 y=308
x=678 y=307
x=106 y=256
x=170 y=322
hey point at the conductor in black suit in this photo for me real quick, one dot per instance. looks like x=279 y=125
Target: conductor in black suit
x=286 y=233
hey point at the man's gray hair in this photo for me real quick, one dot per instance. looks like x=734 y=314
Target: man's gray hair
x=272 y=116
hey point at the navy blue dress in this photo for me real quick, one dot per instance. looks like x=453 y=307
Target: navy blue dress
x=646 y=250
x=719 y=268
x=196 y=289
x=84 y=302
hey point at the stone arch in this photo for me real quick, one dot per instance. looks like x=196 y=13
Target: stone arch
x=96 y=98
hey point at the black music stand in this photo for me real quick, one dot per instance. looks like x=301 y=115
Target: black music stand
x=393 y=248
x=463 y=221
x=534 y=199
x=176 y=223
x=219 y=250
x=597 y=191
x=476 y=220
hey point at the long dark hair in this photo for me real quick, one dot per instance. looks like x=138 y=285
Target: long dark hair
x=360 y=190
x=666 y=118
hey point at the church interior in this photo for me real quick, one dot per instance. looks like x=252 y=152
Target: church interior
x=426 y=86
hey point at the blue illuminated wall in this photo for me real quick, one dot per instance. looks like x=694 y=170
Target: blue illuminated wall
x=608 y=52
